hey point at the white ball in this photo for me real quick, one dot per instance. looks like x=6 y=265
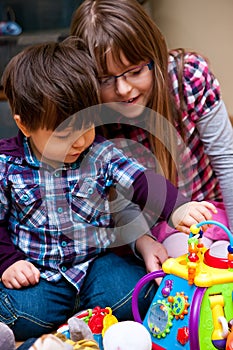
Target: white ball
x=127 y=335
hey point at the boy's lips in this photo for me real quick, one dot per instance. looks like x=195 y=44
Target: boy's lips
x=75 y=154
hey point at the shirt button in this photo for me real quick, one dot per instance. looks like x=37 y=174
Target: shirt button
x=63 y=268
x=63 y=243
x=25 y=197
x=59 y=210
x=90 y=190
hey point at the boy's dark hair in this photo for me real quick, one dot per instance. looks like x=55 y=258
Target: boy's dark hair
x=47 y=83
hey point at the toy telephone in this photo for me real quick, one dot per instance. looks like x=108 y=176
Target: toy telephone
x=193 y=306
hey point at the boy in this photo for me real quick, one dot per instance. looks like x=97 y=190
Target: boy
x=54 y=183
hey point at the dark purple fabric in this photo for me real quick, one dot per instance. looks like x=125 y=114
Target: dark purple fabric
x=12 y=146
x=156 y=194
x=8 y=252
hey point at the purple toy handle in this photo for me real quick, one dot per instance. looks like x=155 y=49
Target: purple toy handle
x=145 y=279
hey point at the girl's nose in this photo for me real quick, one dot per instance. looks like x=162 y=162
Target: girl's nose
x=123 y=87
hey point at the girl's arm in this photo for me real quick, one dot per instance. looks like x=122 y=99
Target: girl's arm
x=216 y=133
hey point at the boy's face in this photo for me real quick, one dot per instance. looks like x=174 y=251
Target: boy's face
x=63 y=146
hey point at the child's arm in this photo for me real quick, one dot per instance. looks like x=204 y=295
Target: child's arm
x=8 y=252
x=154 y=193
x=131 y=227
x=153 y=253
x=15 y=272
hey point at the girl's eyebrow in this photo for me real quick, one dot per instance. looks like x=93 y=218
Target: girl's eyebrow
x=127 y=69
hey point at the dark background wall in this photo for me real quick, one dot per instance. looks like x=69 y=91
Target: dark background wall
x=40 y=20
x=39 y=14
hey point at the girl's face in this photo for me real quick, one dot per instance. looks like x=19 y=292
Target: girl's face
x=127 y=87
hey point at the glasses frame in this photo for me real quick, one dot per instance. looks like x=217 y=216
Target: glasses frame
x=150 y=65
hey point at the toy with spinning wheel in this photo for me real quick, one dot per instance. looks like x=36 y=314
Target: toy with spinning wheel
x=193 y=306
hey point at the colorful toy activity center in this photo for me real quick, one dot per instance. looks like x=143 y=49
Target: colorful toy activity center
x=193 y=306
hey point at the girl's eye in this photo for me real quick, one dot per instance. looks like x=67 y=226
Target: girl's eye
x=135 y=71
x=107 y=81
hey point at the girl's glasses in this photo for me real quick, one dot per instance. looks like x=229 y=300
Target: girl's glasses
x=132 y=76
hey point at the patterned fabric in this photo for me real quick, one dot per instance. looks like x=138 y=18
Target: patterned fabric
x=197 y=179
x=59 y=342
x=61 y=218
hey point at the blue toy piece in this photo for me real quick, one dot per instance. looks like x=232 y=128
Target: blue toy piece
x=10 y=28
x=193 y=305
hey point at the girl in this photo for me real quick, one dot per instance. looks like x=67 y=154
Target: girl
x=165 y=108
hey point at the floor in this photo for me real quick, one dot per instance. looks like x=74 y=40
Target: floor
x=18 y=343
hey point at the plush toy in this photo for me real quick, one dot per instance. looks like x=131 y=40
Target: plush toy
x=7 y=339
x=89 y=324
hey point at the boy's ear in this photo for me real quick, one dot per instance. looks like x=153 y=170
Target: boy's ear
x=21 y=126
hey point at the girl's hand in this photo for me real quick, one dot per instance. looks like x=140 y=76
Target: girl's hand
x=191 y=214
x=153 y=254
x=20 y=274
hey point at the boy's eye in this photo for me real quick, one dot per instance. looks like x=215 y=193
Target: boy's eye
x=63 y=137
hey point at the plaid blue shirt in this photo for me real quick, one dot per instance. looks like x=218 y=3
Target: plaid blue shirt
x=60 y=218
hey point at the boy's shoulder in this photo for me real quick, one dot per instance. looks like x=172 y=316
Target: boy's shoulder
x=102 y=142
x=12 y=146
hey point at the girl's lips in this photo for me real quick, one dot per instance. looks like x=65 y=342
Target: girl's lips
x=131 y=100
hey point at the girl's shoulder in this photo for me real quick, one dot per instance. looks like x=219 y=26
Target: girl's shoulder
x=191 y=65
x=189 y=58
x=200 y=88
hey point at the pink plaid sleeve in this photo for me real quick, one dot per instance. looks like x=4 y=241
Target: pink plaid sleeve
x=200 y=87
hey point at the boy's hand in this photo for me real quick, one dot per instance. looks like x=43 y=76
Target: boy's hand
x=20 y=274
x=191 y=214
x=152 y=252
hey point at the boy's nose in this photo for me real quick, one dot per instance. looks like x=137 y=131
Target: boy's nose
x=80 y=142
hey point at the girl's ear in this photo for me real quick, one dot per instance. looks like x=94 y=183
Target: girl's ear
x=21 y=126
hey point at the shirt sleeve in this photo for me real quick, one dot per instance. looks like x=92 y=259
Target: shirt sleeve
x=155 y=195
x=200 y=87
x=8 y=252
x=129 y=222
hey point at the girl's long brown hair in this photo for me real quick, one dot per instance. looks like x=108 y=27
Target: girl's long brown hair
x=124 y=26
